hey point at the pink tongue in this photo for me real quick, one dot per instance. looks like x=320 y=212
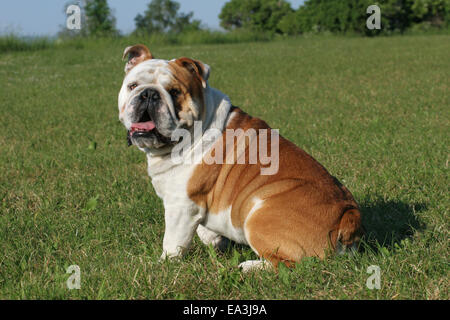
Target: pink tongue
x=143 y=126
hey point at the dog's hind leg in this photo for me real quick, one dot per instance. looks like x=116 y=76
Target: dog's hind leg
x=254 y=265
x=210 y=237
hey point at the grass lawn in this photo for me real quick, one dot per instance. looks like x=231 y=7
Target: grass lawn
x=374 y=112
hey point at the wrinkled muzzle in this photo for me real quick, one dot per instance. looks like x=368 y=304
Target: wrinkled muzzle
x=152 y=118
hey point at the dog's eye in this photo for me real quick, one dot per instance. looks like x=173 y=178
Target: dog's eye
x=174 y=93
x=132 y=86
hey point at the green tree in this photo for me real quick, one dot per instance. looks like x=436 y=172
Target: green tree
x=99 y=18
x=162 y=16
x=400 y=15
x=434 y=12
x=337 y=16
x=257 y=15
x=349 y=16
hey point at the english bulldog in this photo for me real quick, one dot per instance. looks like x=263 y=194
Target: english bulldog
x=295 y=210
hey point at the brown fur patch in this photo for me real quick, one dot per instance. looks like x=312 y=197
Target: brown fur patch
x=189 y=86
x=303 y=204
x=136 y=54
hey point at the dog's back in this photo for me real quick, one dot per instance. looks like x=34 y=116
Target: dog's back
x=301 y=210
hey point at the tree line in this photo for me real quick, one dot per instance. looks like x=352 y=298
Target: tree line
x=275 y=17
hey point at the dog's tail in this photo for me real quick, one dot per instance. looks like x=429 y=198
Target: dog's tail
x=349 y=230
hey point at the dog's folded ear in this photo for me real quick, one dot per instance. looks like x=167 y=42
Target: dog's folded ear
x=136 y=54
x=196 y=67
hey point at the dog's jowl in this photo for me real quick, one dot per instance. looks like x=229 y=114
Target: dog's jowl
x=296 y=210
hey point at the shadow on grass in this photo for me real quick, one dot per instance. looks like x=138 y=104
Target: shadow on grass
x=386 y=223
x=389 y=222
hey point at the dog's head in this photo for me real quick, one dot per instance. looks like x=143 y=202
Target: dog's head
x=160 y=96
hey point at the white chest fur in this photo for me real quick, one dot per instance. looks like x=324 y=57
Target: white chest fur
x=170 y=180
x=171 y=187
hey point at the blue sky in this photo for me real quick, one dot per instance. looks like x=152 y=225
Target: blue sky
x=44 y=17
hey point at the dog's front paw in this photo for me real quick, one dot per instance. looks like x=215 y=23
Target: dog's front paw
x=168 y=255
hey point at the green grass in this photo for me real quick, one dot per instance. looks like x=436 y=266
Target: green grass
x=374 y=112
x=12 y=42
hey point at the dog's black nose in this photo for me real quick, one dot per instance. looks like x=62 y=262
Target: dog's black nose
x=151 y=94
